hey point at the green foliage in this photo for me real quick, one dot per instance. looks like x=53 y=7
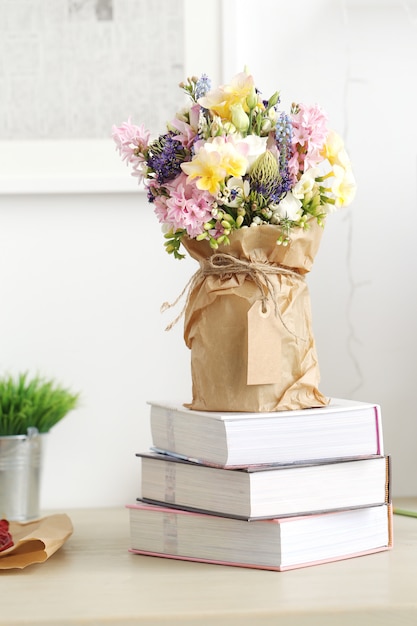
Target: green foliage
x=173 y=242
x=34 y=403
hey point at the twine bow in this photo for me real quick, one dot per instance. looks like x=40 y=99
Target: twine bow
x=225 y=265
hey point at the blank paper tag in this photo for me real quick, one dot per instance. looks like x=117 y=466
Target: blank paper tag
x=264 y=345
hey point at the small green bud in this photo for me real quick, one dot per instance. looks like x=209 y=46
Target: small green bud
x=252 y=99
x=239 y=118
x=273 y=99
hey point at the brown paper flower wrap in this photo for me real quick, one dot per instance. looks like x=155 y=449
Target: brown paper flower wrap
x=248 y=323
x=33 y=542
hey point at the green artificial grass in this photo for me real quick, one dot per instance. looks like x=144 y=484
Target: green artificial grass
x=35 y=402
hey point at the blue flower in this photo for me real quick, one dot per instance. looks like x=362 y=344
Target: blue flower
x=203 y=85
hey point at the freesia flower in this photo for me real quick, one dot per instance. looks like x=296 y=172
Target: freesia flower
x=255 y=146
x=344 y=186
x=188 y=128
x=213 y=162
x=290 y=208
x=208 y=168
x=334 y=150
x=220 y=100
x=305 y=186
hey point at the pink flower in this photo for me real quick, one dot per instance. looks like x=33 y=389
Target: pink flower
x=309 y=136
x=132 y=143
x=160 y=208
x=187 y=207
x=188 y=131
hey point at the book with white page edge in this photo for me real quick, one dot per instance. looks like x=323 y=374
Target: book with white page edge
x=258 y=492
x=344 y=428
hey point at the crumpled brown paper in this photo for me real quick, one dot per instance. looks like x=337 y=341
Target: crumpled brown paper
x=35 y=542
x=266 y=364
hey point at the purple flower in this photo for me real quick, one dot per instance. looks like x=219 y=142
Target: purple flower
x=165 y=156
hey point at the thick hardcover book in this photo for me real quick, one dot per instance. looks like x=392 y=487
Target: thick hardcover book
x=265 y=491
x=276 y=544
x=342 y=429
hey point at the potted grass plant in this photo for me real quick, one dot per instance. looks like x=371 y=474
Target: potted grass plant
x=29 y=408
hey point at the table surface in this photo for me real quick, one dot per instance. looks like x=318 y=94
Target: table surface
x=94 y=580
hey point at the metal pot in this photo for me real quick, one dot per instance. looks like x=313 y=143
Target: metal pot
x=20 y=475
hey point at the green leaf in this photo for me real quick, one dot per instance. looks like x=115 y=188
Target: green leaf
x=32 y=402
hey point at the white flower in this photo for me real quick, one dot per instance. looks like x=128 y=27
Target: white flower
x=306 y=184
x=236 y=192
x=256 y=146
x=290 y=208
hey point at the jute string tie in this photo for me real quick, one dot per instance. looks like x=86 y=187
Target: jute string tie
x=225 y=265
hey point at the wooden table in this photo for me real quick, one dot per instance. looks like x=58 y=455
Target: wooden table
x=93 y=580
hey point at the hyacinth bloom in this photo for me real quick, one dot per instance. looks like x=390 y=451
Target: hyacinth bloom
x=186 y=208
x=132 y=142
x=309 y=132
x=230 y=159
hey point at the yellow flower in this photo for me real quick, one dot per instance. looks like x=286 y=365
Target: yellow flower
x=344 y=186
x=220 y=100
x=233 y=161
x=213 y=163
x=334 y=150
x=207 y=167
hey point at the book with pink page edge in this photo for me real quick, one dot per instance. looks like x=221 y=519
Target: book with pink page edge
x=274 y=544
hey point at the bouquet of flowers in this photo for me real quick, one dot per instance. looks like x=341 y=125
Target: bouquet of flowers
x=245 y=188
x=231 y=159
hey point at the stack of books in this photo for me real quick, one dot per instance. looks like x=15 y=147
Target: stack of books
x=271 y=491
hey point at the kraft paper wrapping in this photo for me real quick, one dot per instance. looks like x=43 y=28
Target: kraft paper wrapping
x=35 y=542
x=250 y=332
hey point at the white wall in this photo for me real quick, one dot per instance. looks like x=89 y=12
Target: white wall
x=83 y=275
